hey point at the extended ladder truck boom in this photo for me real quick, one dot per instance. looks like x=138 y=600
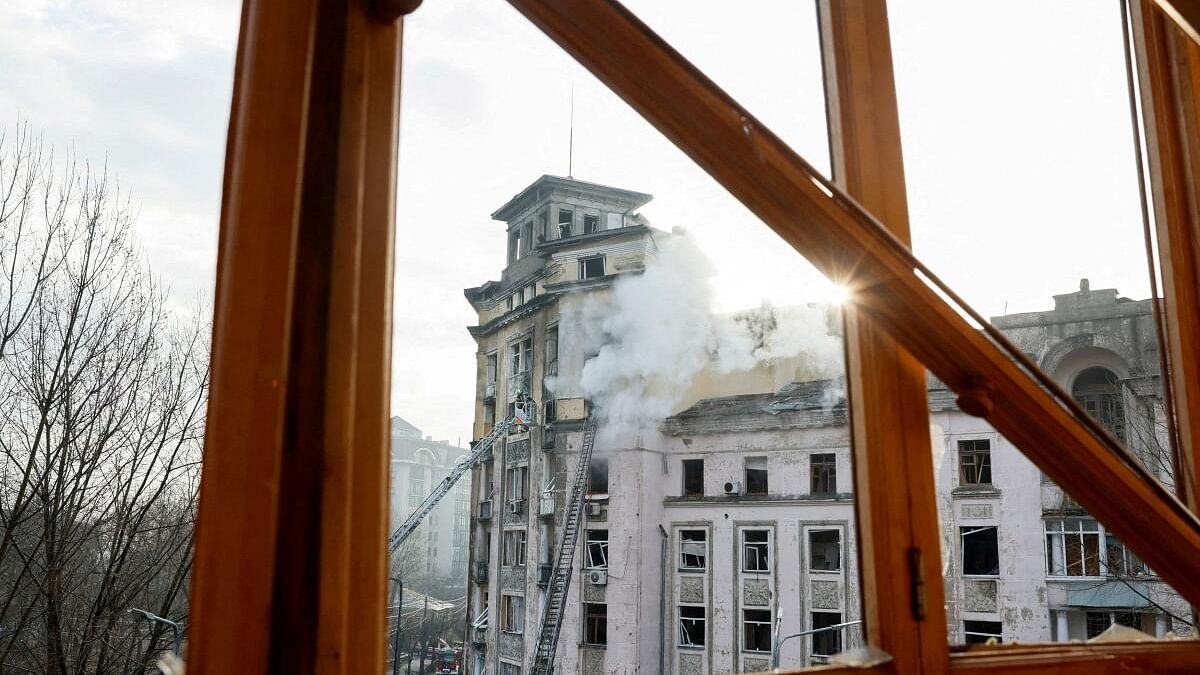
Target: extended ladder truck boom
x=519 y=417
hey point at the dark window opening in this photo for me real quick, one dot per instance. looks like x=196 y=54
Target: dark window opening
x=595 y=620
x=597 y=549
x=693 y=477
x=825 y=550
x=514 y=245
x=981 y=632
x=756 y=475
x=1098 y=392
x=591 y=224
x=980 y=550
x=693 y=549
x=823 y=473
x=756 y=551
x=591 y=268
x=826 y=642
x=691 y=626
x=756 y=629
x=565 y=220
x=598 y=476
x=975 y=462
x=552 y=351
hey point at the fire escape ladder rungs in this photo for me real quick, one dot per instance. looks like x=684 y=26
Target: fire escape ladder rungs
x=560 y=578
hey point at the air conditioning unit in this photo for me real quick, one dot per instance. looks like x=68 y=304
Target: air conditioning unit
x=516 y=505
x=547 y=505
x=485 y=509
x=593 y=509
x=733 y=487
x=597 y=577
x=489 y=390
x=545 y=571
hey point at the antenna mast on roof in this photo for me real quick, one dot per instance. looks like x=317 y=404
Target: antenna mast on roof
x=571 y=138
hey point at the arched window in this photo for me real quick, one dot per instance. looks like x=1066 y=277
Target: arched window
x=1097 y=390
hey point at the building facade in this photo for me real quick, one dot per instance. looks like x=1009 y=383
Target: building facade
x=435 y=557
x=733 y=523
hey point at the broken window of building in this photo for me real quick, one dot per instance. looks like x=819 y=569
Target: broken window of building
x=823 y=473
x=509 y=668
x=552 y=351
x=756 y=551
x=693 y=478
x=566 y=219
x=975 y=462
x=980 y=632
x=512 y=613
x=1073 y=548
x=693 y=549
x=826 y=642
x=1120 y=561
x=513 y=553
x=756 y=630
x=980 y=551
x=597 y=549
x=516 y=482
x=598 y=476
x=543 y=227
x=825 y=550
x=691 y=626
x=1099 y=393
x=595 y=623
x=591 y=224
x=756 y=475
x=591 y=268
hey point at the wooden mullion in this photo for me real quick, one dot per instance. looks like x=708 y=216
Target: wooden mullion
x=992 y=378
x=294 y=489
x=1169 y=73
x=893 y=467
x=366 y=643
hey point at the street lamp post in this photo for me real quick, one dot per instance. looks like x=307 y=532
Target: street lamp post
x=158 y=619
x=399 y=618
x=780 y=640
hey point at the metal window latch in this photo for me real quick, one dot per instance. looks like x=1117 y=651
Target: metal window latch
x=916 y=575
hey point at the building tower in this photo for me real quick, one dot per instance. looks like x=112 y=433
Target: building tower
x=566 y=240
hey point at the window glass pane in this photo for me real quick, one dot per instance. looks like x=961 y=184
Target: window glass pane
x=113 y=122
x=610 y=276
x=1023 y=196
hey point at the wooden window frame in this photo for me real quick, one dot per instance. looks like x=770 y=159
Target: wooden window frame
x=290 y=554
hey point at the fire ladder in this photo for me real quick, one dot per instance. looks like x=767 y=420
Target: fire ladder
x=560 y=578
x=519 y=417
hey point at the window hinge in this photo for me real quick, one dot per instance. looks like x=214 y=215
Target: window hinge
x=916 y=575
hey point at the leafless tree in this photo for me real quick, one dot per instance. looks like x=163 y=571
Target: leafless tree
x=102 y=398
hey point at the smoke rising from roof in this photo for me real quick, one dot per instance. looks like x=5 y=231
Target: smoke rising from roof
x=656 y=335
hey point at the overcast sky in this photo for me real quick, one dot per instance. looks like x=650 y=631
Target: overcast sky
x=1015 y=123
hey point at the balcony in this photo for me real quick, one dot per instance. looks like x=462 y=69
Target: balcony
x=544 y=572
x=485 y=509
x=481 y=571
x=546 y=505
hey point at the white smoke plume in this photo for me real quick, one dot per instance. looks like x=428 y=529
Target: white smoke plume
x=656 y=333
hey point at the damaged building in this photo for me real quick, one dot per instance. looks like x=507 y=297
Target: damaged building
x=733 y=525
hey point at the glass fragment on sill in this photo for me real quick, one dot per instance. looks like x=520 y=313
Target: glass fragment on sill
x=1119 y=633
x=865 y=656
